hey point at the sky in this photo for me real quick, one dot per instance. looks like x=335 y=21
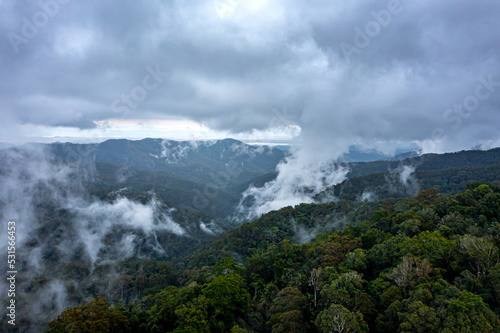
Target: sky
x=321 y=74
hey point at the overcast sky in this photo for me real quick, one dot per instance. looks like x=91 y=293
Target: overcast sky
x=321 y=72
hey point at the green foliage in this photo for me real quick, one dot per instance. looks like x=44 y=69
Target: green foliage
x=227 y=266
x=338 y=319
x=349 y=291
x=237 y=329
x=482 y=253
x=427 y=264
x=228 y=299
x=211 y=301
x=287 y=311
x=356 y=260
x=193 y=316
x=331 y=250
x=439 y=307
x=95 y=317
x=430 y=245
x=410 y=272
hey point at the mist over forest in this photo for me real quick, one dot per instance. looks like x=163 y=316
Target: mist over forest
x=123 y=219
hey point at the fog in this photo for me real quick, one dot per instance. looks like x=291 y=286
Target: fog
x=58 y=222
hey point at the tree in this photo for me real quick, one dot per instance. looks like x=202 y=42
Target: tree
x=483 y=254
x=193 y=316
x=347 y=290
x=315 y=283
x=495 y=280
x=225 y=266
x=439 y=307
x=420 y=318
x=410 y=271
x=429 y=196
x=95 y=317
x=356 y=260
x=287 y=311
x=162 y=312
x=331 y=250
x=140 y=281
x=227 y=296
x=237 y=329
x=338 y=319
x=430 y=245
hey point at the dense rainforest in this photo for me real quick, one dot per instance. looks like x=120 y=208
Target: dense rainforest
x=428 y=263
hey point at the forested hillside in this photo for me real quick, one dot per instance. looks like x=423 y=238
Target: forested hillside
x=424 y=264
x=390 y=185
x=429 y=162
x=207 y=177
x=125 y=232
x=197 y=161
x=404 y=177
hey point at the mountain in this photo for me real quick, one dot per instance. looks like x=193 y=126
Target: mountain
x=405 y=174
x=124 y=219
x=198 y=161
x=428 y=162
x=449 y=173
x=359 y=154
x=84 y=209
x=162 y=196
x=206 y=177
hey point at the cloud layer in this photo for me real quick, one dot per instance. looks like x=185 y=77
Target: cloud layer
x=361 y=72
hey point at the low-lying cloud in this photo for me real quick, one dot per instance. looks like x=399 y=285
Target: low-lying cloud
x=58 y=222
x=299 y=180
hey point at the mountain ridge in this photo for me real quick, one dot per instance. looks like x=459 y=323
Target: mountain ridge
x=200 y=161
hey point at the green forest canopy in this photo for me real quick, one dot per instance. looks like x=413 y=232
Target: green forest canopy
x=428 y=263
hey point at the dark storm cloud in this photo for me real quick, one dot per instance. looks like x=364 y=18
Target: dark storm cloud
x=346 y=71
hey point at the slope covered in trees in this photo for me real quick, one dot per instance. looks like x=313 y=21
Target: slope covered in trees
x=404 y=177
x=428 y=263
x=196 y=161
x=428 y=162
x=389 y=185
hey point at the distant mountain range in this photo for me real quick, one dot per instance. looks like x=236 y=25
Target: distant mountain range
x=449 y=173
x=209 y=176
x=466 y=158
x=197 y=161
x=359 y=154
x=203 y=176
